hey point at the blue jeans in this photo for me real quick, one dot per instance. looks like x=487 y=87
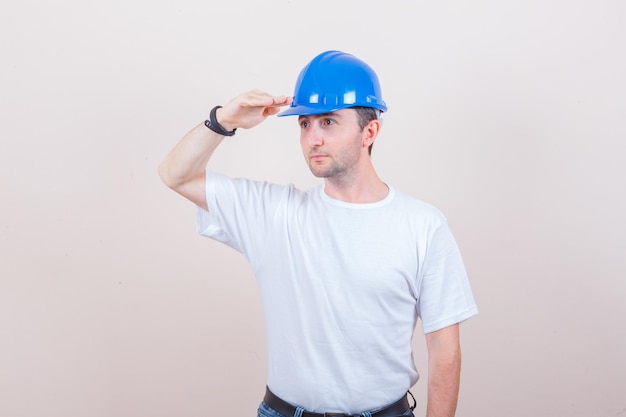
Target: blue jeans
x=267 y=411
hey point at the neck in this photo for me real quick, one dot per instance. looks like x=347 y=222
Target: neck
x=369 y=189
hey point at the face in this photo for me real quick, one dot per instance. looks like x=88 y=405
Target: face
x=332 y=143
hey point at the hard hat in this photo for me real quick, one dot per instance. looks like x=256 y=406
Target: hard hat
x=335 y=80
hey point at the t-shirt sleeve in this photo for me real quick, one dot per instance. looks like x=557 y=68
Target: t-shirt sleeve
x=445 y=295
x=240 y=211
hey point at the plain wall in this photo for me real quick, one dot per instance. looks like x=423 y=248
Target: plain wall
x=508 y=116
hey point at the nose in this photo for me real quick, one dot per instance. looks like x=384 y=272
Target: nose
x=312 y=136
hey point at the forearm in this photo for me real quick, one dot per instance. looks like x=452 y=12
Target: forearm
x=444 y=373
x=188 y=159
x=183 y=168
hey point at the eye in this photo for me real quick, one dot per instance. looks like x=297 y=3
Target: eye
x=304 y=124
x=328 y=122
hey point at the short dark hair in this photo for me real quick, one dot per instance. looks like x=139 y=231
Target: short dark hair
x=366 y=115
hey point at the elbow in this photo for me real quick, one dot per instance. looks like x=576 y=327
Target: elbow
x=164 y=173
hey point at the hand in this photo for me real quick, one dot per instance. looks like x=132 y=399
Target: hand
x=249 y=109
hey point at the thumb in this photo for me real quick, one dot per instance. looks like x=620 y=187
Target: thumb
x=269 y=111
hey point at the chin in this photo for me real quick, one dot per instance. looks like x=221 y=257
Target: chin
x=323 y=172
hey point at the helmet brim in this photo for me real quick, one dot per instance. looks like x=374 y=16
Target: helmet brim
x=301 y=110
x=306 y=110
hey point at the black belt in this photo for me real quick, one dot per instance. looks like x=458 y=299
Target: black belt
x=396 y=409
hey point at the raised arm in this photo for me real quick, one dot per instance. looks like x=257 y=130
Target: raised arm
x=183 y=169
x=444 y=371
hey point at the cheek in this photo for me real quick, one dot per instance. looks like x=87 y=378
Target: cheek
x=303 y=142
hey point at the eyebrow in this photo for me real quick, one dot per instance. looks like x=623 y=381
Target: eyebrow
x=318 y=116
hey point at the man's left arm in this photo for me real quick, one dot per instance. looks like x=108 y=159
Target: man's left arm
x=444 y=371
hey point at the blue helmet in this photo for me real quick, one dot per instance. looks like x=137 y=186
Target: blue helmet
x=335 y=80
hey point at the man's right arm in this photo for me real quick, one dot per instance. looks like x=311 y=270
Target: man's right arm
x=183 y=169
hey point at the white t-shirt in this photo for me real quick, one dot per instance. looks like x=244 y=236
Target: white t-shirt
x=342 y=286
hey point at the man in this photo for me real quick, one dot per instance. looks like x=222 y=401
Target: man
x=345 y=269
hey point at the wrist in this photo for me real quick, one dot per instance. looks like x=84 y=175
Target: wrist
x=224 y=129
x=219 y=118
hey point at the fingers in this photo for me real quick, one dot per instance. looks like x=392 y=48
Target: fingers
x=258 y=98
x=251 y=108
x=276 y=105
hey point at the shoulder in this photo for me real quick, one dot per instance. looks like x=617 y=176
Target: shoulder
x=417 y=208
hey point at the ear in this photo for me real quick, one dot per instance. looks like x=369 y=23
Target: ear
x=370 y=132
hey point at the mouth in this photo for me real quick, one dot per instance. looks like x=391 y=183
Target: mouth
x=318 y=157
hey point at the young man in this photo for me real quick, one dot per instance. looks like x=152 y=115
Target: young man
x=345 y=269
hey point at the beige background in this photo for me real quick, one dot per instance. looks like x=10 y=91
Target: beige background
x=508 y=116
